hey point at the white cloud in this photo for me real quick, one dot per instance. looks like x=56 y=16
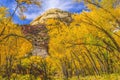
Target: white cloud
x=61 y=4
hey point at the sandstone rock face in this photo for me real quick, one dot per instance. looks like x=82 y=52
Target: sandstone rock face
x=53 y=14
x=39 y=38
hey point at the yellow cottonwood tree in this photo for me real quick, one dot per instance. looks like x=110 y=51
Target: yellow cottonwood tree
x=92 y=38
x=12 y=41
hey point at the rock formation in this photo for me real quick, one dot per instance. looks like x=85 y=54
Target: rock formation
x=37 y=33
x=53 y=14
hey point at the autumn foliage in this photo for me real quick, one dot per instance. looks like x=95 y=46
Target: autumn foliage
x=89 y=45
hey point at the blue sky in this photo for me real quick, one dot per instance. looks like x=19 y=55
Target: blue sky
x=34 y=11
